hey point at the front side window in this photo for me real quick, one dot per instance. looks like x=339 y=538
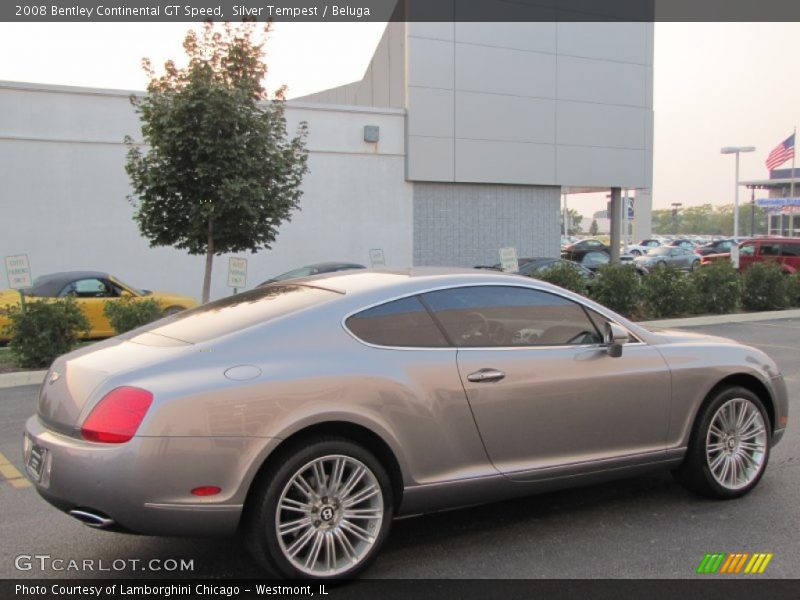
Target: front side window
x=90 y=288
x=501 y=316
x=401 y=323
x=747 y=250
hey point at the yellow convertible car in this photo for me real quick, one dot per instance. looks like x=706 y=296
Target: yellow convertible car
x=91 y=290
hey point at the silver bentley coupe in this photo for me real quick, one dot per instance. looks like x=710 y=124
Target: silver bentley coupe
x=305 y=415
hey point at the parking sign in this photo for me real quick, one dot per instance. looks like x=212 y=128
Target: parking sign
x=237 y=272
x=18 y=272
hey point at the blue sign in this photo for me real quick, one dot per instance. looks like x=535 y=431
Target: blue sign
x=777 y=202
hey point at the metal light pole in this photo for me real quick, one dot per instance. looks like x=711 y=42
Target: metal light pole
x=737 y=150
x=675 y=208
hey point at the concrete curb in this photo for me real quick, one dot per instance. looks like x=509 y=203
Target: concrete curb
x=8 y=380
x=722 y=319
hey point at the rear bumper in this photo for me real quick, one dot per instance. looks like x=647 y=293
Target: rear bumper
x=145 y=485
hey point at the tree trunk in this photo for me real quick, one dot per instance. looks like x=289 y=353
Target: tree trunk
x=209 y=263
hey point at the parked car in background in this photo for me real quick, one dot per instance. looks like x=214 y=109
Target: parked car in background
x=305 y=416
x=584 y=246
x=669 y=256
x=316 y=269
x=715 y=247
x=782 y=251
x=535 y=267
x=681 y=243
x=643 y=246
x=91 y=290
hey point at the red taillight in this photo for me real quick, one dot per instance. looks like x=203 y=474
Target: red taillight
x=117 y=416
x=206 y=490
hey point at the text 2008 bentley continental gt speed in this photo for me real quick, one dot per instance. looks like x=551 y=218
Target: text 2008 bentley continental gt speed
x=308 y=414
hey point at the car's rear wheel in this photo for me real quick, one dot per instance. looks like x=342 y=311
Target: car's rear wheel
x=322 y=511
x=173 y=310
x=729 y=447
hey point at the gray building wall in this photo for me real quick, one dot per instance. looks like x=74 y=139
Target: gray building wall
x=466 y=224
x=566 y=104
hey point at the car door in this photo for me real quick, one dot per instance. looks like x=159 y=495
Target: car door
x=545 y=394
x=747 y=254
x=674 y=257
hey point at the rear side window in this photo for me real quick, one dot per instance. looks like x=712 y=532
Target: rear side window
x=792 y=250
x=770 y=250
x=402 y=323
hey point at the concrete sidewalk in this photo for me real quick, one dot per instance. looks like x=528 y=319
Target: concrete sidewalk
x=8 y=380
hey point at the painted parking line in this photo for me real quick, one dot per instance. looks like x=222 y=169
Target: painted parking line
x=10 y=473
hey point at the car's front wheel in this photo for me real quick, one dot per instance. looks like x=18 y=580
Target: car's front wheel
x=322 y=511
x=729 y=446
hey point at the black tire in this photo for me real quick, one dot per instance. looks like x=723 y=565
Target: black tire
x=260 y=529
x=635 y=253
x=694 y=473
x=694 y=265
x=173 y=310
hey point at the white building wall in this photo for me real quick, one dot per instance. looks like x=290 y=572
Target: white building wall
x=65 y=187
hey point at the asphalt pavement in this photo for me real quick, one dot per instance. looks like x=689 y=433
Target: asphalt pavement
x=647 y=527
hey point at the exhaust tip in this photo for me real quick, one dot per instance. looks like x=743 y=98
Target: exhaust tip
x=91 y=518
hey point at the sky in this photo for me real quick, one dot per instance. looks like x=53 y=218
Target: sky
x=715 y=84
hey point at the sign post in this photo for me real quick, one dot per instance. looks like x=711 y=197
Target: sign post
x=237 y=273
x=18 y=273
x=508 y=260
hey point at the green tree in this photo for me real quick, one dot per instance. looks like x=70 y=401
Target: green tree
x=219 y=173
x=575 y=219
x=708 y=219
x=593 y=228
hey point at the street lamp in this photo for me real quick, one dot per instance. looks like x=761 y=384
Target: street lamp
x=676 y=206
x=736 y=150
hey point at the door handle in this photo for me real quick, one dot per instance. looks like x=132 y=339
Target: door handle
x=486 y=375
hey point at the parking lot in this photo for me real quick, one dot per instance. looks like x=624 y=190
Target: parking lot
x=643 y=527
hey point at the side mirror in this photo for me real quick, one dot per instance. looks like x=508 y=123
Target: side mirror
x=614 y=337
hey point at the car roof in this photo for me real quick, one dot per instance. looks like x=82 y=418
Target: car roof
x=51 y=284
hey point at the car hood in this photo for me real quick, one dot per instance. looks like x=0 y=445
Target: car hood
x=187 y=301
x=673 y=336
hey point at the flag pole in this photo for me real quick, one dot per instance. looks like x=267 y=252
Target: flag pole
x=794 y=135
x=791 y=190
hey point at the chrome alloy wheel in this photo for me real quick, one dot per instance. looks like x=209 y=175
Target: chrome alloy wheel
x=329 y=515
x=736 y=444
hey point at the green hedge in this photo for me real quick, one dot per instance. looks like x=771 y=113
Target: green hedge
x=718 y=288
x=617 y=287
x=764 y=287
x=566 y=276
x=129 y=313
x=666 y=292
x=43 y=331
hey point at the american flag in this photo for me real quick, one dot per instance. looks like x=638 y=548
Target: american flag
x=781 y=153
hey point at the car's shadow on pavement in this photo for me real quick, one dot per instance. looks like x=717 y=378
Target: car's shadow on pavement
x=417 y=546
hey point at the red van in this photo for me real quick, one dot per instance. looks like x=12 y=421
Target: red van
x=784 y=251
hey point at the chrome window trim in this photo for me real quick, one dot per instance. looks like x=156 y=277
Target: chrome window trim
x=460 y=348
